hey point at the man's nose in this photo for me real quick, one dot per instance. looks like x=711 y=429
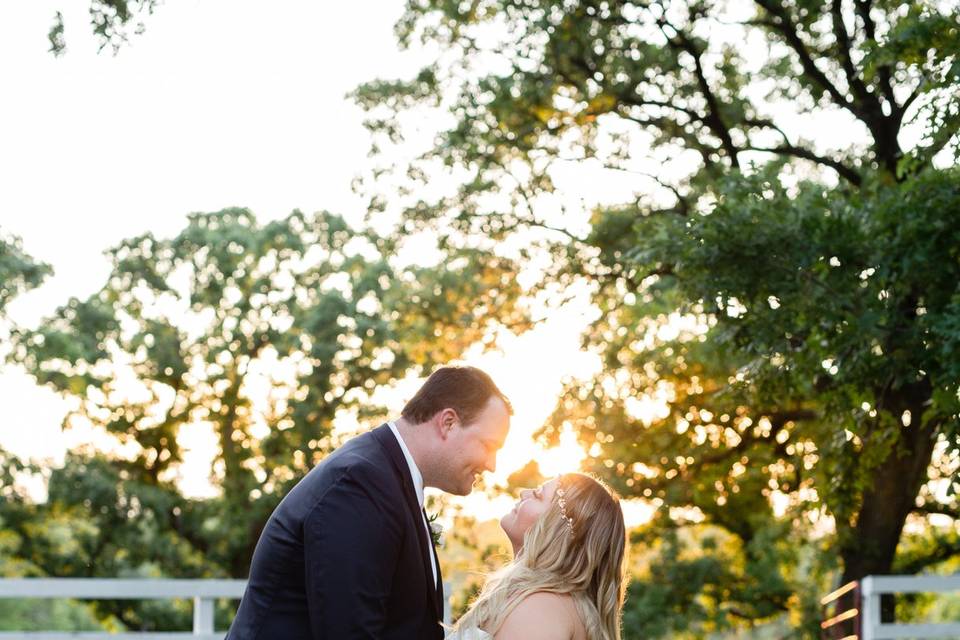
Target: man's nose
x=491 y=463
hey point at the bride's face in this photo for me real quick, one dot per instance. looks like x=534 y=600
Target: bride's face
x=533 y=503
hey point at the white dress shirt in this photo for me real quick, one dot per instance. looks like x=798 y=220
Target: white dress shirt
x=418 y=487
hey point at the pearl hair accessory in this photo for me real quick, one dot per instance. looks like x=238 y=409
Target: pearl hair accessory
x=562 y=501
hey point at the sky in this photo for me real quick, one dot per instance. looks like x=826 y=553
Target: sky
x=219 y=103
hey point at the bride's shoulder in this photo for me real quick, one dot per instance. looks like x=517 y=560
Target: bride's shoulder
x=469 y=634
x=541 y=615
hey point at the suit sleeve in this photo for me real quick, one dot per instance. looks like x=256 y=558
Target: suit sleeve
x=351 y=545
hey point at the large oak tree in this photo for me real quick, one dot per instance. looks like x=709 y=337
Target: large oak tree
x=792 y=297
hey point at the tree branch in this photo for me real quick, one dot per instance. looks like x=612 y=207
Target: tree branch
x=669 y=126
x=532 y=220
x=693 y=115
x=683 y=203
x=713 y=119
x=942 y=551
x=780 y=418
x=790 y=149
x=799 y=152
x=863 y=8
x=766 y=123
x=916 y=93
x=843 y=49
x=788 y=30
x=936 y=508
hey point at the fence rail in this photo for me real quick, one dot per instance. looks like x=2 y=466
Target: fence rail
x=862 y=620
x=875 y=586
x=203 y=592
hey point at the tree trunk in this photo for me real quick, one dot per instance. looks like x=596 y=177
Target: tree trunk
x=890 y=498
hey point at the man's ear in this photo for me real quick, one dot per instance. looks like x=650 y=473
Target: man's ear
x=447 y=419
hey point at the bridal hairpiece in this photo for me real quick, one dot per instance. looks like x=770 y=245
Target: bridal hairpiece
x=562 y=501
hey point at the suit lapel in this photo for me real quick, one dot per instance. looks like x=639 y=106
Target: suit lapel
x=439 y=585
x=388 y=441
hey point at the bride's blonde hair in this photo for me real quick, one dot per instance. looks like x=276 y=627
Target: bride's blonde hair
x=582 y=556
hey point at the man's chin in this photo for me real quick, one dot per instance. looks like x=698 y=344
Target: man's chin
x=469 y=485
x=465 y=488
x=456 y=489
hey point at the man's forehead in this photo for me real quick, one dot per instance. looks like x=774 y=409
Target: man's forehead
x=502 y=430
x=496 y=425
x=494 y=439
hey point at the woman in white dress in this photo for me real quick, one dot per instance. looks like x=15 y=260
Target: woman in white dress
x=567 y=578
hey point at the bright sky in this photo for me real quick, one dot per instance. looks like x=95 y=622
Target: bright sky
x=219 y=103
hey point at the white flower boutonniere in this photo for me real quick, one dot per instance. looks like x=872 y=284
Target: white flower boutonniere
x=436 y=529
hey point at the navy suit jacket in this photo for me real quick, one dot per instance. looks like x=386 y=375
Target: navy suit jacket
x=345 y=555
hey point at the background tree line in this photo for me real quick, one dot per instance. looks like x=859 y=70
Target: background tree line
x=179 y=339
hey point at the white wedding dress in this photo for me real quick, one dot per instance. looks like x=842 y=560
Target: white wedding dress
x=472 y=633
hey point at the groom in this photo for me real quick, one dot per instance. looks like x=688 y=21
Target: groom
x=348 y=552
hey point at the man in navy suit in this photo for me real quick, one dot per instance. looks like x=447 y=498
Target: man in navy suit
x=348 y=552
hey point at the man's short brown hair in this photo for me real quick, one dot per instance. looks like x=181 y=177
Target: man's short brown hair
x=464 y=389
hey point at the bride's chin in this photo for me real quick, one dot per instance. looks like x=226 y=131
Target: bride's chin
x=505 y=523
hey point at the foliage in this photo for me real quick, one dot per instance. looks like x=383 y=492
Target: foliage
x=112 y=21
x=47 y=615
x=19 y=272
x=259 y=337
x=791 y=301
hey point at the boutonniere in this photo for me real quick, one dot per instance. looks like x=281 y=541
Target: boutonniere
x=436 y=529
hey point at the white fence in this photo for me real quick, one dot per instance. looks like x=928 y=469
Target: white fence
x=203 y=592
x=862 y=621
x=872 y=587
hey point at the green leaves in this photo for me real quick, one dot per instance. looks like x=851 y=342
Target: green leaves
x=19 y=272
x=113 y=21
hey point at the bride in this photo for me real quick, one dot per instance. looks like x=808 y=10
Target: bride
x=566 y=580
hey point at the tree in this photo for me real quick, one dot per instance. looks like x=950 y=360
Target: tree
x=112 y=22
x=795 y=304
x=258 y=335
x=19 y=272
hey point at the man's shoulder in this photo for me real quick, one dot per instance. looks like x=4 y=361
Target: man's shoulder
x=360 y=461
x=365 y=460
x=363 y=453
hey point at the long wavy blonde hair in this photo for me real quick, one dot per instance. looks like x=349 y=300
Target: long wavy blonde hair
x=587 y=563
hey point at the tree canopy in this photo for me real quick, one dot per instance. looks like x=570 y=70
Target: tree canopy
x=19 y=272
x=112 y=22
x=792 y=299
